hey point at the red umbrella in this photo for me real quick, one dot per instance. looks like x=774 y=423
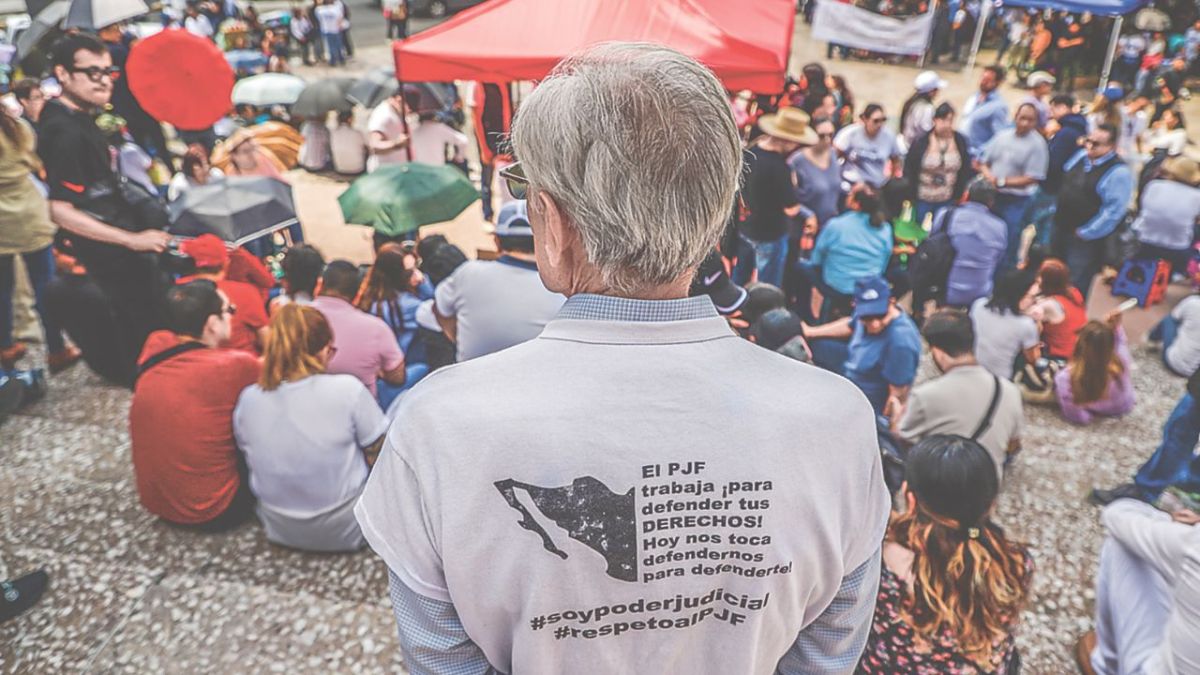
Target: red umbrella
x=180 y=78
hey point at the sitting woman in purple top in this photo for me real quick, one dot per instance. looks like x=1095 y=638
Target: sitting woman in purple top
x=1096 y=380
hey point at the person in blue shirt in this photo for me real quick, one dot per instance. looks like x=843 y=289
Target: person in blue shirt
x=1092 y=201
x=852 y=246
x=883 y=350
x=985 y=112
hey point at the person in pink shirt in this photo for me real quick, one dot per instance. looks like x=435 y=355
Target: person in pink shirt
x=247 y=158
x=1096 y=380
x=363 y=344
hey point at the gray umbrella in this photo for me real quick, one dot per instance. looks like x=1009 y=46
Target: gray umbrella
x=1152 y=20
x=320 y=97
x=96 y=14
x=374 y=87
x=43 y=28
x=237 y=209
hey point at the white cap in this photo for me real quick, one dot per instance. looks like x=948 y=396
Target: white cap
x=928 y=81
x=1039 y=77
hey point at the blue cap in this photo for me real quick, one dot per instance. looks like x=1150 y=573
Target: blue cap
x=1113 y=93
x=872 y=297
x=512 y=220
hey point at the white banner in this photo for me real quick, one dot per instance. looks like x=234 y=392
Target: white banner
x=851 y=26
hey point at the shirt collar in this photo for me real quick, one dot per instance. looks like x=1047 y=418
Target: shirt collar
x=1088 y=162
x=517 y=262
x=587 y=306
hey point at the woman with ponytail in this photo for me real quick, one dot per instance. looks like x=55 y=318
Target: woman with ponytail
x=953 y=586
x=309 y=437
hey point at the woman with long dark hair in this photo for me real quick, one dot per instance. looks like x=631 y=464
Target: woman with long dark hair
x=1003 y=331
x=25 y=230
x=938 y=165
x=1096 y=381
x=393 y=291
x=953 y=585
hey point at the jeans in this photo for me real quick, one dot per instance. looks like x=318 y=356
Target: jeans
x=1012 y=210
x=487 y=174
x=1041 y=214
x=40 y=265
x=397 y=28
x=386 y=393
x=1171 y=462
x=765 y=257
x=333 y=42
x=1084 y=258
x=830 y=354
x=1178 y=257
x=1165 y=332
x=929 y=209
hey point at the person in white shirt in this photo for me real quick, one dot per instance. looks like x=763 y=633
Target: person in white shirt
x=348 y=146
x=301 y=30
x=195 y=171
x=489 y=305
x=435 y=142
x=315 y=150
x=389 y=134
x=309 y=437
x=330 y=17
x=198 y=24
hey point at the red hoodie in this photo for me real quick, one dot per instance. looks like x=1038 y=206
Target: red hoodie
x=181 y=427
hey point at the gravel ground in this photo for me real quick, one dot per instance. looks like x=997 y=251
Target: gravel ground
x=131 y=595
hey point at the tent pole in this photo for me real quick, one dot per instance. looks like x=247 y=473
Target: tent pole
x=929 y=38
x=985 y=13
x=1112 y=51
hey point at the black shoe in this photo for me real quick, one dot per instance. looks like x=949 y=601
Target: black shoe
x=35 y=384
x=1125 y=491
x=20 y=594
x=12 y=392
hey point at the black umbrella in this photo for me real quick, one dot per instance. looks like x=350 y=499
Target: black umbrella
x=320 y=97
x=237 y=209
x=43 y=30
x=374 y=88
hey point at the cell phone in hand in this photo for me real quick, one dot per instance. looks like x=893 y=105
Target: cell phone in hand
x=1129 y=304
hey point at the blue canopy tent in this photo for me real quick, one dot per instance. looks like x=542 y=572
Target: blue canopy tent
x=1113 y=8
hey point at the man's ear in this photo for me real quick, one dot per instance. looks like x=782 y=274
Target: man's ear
x=556 y=230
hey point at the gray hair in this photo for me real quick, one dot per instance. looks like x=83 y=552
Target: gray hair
x=636 y=143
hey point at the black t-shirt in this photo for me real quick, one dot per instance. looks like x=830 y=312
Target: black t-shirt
x=767 y=192
x=74 y=151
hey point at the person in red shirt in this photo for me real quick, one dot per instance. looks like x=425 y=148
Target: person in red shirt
x=249 y=327
x=185 y=460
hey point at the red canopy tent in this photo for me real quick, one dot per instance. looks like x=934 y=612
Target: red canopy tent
x=746 y=43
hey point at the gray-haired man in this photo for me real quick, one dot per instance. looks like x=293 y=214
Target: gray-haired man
x=602 y=499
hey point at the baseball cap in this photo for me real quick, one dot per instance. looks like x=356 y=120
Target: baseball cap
x=928 y=81
x=1113 y=93
x=208 y=250
x=712 y=280
x=513 y=220
x=1039 y=77
x=776 y=328
x=760 y=299
x=872 y=296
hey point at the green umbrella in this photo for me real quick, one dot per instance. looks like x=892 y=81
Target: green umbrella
x=399 y=198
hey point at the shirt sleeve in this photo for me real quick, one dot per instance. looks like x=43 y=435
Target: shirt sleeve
x=369 y=422
x=1029 y=335
x=390 y=355
x=66 y=177
x=1074 y=413
x=842 y=140
x=252 y=311
x=446 y=300
x=786 y=187
x=1115 y=189
x=432 y=637
x=1148 y=533
x=912 y=425
x=834 y=642
x=1039 y=161
x=900 y=365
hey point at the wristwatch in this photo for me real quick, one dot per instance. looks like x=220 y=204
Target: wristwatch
x=1000 y=183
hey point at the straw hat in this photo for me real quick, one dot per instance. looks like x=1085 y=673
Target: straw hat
x=789 y=124
x=1182 y=169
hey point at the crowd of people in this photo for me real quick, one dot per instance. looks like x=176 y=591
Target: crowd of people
x=624 y=271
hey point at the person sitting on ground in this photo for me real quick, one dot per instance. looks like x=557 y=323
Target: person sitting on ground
x=884 y=346
x=1173 y=462
x=966 y=400
x=188 y=468
x=315 y=153
x=1168 y=212
x=195 y=171
x=1147 y=593
x=249 y=323
x=1096 y=381
x=1059 y=310
x=854 y=245
x=489 y=305
x=363 y=344
x=953 y=585
x=1002 y=329
x=979 y=238
x=781 y=331
x=308 y=437
x=302 y=267
x=348 y=146
x=394 y=289
x=1179 y=333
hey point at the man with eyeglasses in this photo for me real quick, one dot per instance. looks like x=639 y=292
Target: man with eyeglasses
x=1096 y=188
x=82 y=181
x=185 y=460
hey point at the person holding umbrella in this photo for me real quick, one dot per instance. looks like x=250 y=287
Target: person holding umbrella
x=389 y=133
x=77 y=159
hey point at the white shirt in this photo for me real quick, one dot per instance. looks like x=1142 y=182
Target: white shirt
x=497 y=304
x=181 y=183
x=430 y=139
x=864 y=158
x=1184 y=353
x=299 y=27
x=386 y=121
x=314 y=152
x=199 y=25
x=349 y=148
x=1168 y=215
x=303 y=441
x=330 y=17
x=999 y=338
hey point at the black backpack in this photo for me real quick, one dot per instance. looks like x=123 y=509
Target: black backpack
x=929 y=267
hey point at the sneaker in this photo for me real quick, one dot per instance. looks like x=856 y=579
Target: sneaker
x=1083 y=652
x=18 y=595
x=35 y=384
x=1125 y=491
x=10 y=355
x=60 y=361
x=12 y=393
